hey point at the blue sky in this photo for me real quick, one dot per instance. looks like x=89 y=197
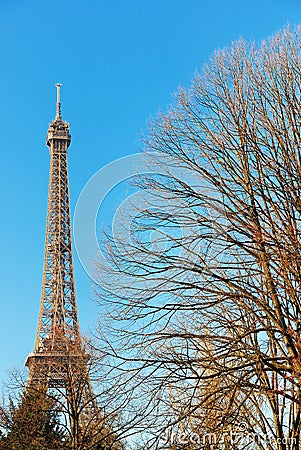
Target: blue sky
x=120 y=63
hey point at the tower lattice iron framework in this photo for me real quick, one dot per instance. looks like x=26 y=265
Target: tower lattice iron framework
x=59 y=360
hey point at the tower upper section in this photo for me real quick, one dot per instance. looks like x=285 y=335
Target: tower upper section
x=59 y=360
x=58 y=129
x=58 y=320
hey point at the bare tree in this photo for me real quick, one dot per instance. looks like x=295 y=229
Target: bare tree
x=205 y=294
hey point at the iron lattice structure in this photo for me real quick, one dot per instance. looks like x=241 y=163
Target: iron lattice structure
x=59 y=360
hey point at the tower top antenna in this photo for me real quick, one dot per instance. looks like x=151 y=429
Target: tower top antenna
x=58 y=101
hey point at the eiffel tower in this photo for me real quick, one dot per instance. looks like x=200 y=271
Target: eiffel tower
x=59 y=361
